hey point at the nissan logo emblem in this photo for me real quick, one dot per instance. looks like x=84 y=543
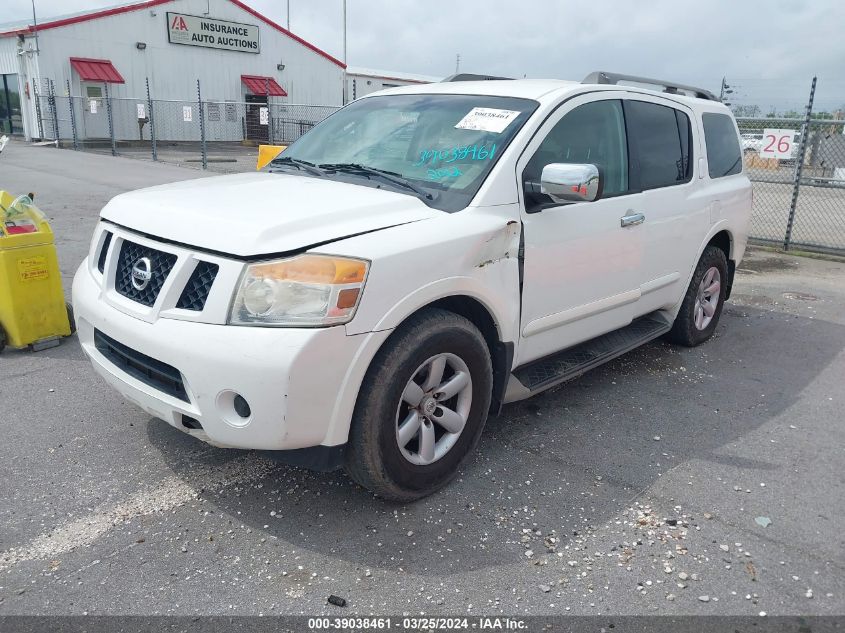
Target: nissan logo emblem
x=142 y=273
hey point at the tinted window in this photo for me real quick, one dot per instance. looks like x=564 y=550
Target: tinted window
x=660 y=137
x=723 y=155
x=593 y=133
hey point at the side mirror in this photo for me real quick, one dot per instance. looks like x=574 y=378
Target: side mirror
x=565 y=182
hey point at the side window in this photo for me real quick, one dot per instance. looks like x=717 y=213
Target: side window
x=723 y=155
x=592 y=133
x=661 y=139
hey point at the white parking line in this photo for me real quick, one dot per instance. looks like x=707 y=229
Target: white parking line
x=171 y=492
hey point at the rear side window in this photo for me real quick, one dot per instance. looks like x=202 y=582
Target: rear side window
x=723 y=155
x=661 y=141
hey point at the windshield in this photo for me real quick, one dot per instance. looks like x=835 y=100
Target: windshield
x=437 y=147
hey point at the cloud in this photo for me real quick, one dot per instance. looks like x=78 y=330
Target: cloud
x=771 y=49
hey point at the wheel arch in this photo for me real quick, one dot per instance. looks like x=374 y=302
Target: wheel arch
x=723 y=240
x=501 y=352
x=477 y=312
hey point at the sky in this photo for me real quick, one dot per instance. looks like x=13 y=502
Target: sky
x=768 y=51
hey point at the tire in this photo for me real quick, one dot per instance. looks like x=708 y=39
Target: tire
x=374 y=457
x=70 y=318
x=703 y=303
x=2 y=338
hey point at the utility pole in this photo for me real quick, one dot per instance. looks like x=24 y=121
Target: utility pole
x=345 y=79
x=457 y=63
x=288 y=15
x=35 y=28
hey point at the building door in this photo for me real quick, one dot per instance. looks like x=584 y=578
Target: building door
x=257 y=126
x=11 y=121
x=95 y=118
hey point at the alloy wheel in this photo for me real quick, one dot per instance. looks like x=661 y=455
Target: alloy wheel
x=434 y=409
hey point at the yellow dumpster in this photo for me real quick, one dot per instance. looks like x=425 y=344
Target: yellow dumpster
x=32 y=306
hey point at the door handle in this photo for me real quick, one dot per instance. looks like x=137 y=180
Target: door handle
x=633 y=219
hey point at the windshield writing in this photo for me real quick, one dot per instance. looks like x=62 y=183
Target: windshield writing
x=444 y=145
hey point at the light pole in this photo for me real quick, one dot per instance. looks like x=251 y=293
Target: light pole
x=726 y=90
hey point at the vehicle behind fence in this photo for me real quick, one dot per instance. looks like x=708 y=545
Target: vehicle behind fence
x=796 y=160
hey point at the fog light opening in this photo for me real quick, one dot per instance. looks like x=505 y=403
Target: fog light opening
x=241 y=406
x=191 y=423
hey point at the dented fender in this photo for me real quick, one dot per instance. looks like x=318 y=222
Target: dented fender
x=473 y=253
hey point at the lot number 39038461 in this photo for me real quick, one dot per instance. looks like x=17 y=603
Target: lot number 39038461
x=777 y=143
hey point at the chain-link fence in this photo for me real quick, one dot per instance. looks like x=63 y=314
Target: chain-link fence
x=799 y=184
x=210 y=133
x=796 y=162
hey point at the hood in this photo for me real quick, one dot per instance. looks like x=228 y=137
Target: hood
x=262 y=213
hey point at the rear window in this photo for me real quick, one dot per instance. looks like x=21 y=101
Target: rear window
x=723 y=155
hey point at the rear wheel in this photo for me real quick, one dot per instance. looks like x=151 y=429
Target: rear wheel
x=421 y=408
x=702 y=305
x=2 y=338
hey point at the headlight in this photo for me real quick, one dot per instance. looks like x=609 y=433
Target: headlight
x=307 y=291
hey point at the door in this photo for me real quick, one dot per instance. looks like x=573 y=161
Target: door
x=11 y=121
x=663 y=144
x=256 y=129
x=582 y=267
x=95 y=117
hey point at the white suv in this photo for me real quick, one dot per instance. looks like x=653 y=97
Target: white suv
x=419 y=258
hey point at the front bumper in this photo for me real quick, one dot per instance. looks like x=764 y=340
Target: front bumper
x=300 y=383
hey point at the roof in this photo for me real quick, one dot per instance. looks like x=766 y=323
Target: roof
x=25 y=27
x=390 y=75
x=96 y=70
x=259 y=85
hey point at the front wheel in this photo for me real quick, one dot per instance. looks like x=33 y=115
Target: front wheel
x=702 y=305
x=70 y=318
x=421 y=408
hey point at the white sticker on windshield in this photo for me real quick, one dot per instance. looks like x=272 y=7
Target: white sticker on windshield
x=487 y=120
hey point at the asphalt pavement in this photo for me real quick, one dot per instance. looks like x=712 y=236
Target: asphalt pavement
x=670 y=481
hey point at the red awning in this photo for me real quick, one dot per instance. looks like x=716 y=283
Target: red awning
x=96 y=70
x=263 y=85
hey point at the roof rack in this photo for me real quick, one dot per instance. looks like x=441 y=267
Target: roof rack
x=472 y=77
x=601 y=77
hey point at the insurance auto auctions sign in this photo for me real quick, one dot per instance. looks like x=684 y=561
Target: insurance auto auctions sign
x=194 y=30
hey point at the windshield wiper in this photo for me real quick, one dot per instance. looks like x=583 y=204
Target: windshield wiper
x=304 y=165
x=389 y=176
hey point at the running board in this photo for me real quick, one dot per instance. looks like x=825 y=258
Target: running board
x=571 y=363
